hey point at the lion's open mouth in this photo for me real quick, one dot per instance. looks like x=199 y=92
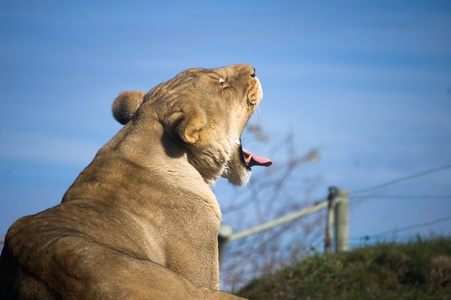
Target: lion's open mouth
x=250 y=159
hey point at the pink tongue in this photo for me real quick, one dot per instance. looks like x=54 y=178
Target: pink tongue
x=256 y=160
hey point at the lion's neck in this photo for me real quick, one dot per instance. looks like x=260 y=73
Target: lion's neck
x=133 y=170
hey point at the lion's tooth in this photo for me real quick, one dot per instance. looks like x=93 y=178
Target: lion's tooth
x=248 y=160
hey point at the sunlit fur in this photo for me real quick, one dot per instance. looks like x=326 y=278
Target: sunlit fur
x=141 y=221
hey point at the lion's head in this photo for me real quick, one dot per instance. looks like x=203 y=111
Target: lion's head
x=204 y=111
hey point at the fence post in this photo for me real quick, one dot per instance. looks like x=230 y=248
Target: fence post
x=333 y=191
x=342 y=221
x=224 y=235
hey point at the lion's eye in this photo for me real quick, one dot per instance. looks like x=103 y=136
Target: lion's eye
x=221 y=81
x=253 y=74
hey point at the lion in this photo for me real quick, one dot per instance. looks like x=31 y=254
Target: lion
x=141 y=220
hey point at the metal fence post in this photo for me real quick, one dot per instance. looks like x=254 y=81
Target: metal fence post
x=342 y=221
x=224 y=235
x=333 y=191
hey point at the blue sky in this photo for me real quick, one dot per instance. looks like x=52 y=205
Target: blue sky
x=368 y=83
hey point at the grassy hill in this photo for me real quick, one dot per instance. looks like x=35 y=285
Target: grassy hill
x=415 y=270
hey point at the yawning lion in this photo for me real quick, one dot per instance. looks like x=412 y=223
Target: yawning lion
x=141 y=221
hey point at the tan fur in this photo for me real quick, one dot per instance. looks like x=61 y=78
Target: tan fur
x=141 y=221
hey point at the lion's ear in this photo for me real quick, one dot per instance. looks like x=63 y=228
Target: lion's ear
x=186 y=124
x=126 y=104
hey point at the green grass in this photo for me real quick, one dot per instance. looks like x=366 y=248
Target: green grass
x=415 y=270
